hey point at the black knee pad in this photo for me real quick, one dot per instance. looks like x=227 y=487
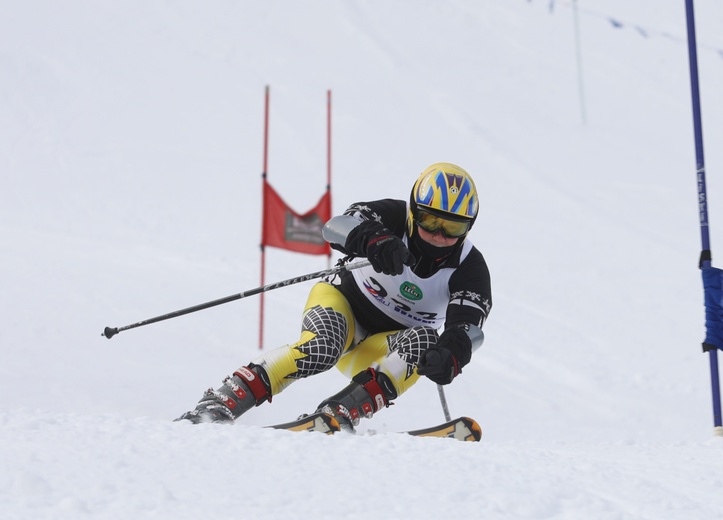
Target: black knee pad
x=323 y=350
x=410 y=343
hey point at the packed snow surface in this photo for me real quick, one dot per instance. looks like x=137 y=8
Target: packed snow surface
x=131 y=153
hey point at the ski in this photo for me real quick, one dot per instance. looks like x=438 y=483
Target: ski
x=315 y=422
x=461 y=429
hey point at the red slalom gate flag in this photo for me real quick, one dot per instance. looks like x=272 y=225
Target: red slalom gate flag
x=286 y=229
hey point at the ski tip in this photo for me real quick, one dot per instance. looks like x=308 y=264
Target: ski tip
x=474 y=428
x=461 y=429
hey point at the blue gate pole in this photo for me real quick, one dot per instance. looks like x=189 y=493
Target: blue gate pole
x=705 y=257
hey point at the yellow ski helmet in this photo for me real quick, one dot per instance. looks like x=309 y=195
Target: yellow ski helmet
x=444 y=192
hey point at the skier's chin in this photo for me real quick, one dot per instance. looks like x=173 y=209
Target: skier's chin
x=433 y=250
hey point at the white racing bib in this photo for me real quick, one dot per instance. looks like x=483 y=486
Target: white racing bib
x=407 y=298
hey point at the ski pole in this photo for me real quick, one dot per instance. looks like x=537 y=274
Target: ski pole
x=443 y=400
x=109 y=332
x=435 y=358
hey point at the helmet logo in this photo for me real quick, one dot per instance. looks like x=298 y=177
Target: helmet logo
x=457 y=186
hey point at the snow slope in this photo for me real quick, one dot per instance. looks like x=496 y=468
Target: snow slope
x=131 y=155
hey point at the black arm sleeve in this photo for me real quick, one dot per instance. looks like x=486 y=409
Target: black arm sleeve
x=470 y=291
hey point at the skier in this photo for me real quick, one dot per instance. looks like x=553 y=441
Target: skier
x=379 y=324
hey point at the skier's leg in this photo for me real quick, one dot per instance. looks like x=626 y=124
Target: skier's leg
x=327 y=330
x=384 y=366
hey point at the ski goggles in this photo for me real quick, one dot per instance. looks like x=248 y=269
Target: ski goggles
x=449 y=228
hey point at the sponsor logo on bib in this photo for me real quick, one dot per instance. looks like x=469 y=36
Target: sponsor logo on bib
x=410 y=291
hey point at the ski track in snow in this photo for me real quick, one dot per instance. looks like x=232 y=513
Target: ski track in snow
x=75 y=466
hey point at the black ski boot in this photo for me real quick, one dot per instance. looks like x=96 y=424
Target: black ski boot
x=239 y=393
x=369 y=392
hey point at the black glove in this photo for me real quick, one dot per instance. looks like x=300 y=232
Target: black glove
x=444 y=361
x=384 y=250
x=387 y=252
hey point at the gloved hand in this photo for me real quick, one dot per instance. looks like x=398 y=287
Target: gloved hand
x=444 y=361
x=387 y=253
x=384 y=250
